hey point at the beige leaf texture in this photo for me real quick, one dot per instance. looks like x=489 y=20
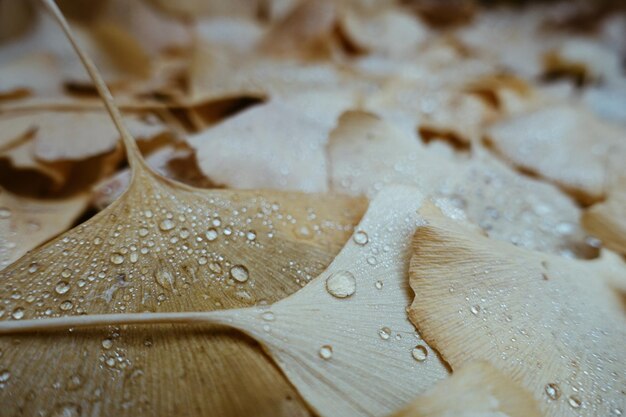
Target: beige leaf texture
x=477 y=389
x=607 y=220
x=554 y=324
x=344 y=340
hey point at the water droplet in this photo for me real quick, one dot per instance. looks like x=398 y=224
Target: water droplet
x=66 y=273
x=5 y=213
x=107 y=343
x=228 y=231
x=33 y=267
x=18 y=313
x=117 y=258
x=5 y=374
x=110 y=362
x=216 y=222
x=148 y=214
x=341 y=284
x=143 y=232
x=167 y=224
x=62 y=287
x=303 y=232
x=164 y=278
x=379 y=285
x=574 y=401
x=268 y=316
x=211 y=234
x=475 y=309
x=372 y=260
x=134 y=257
x=215 y=267
x=74 y=382
x=67 y=410
x=552 y=391
x=66 y=305
x=239 y=273
x=360 y=238
x=617 y=411
x=251 y=236
x=419 y=353
x=184 y=233
x=202 y=260
x=326 y=352
x=384 y=333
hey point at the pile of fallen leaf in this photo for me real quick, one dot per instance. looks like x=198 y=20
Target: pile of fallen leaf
x=312 y=207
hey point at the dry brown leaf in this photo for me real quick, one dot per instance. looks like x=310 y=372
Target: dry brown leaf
x=607 y=220
x=164 y=246
x=344 y=340
x=476 y=390
x=366 y=153
x=26 y=223
x=566 y=145
x=554 y=324
x=62 y=136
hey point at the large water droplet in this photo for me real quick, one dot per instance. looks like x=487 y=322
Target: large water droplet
x=384 y=333
x=117 y=258
x=341 y=284
x=360 y=238
x=574 y=401
x=552 y=391
x=62 y=287
x=18 y=313
x=239 y=273
x=211 y=234
x=66 y=273
x=251 y=236
x=419 y=353
x=326 y=352
x=167 y=224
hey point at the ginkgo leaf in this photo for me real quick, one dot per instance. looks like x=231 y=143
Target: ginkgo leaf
x=477 y=389
x=555 y=325
x=344 y=340
x=247 y=151
x=164 y=246
x=25 y=223
x=366 y=153
x=607 y=220
x=566 y=145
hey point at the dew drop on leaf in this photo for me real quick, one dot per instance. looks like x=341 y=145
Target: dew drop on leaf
x=62 y=287
x=360 y=238
x=419 y=353
x=239 y=273
x=384 y=333
x=552 y=391
x=326 y=352
x=341 y=284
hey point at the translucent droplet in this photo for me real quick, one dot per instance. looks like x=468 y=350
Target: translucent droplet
x=33 y=268
x=148 y=214
x=251 y=236
x=372 y=260
x=419 y=353
x=360 y=238
x=5 y=213
x=379 y=285
x=110 y=362
x=303 y=232
x=211 y=234
x=384 y=333
x=117 y=258
x=66 y=273
x=326 y=352
x=268 y=316
x=202 y=260
x=239 y=273
x=574 y=401
x=228 y=231
x=18 y=313
x=167 y=224
x=74 y=382
x=164 y=278
x=215 y=267
x=62 y=287
x=475 y=309
x=66 y=305
x=341 y=284
x=184 y=233
x=5 y=375
x=617 y=411
x=143 y=232
x=216 y=222
x=134 y=257
x=552 y=391
x=107 y=343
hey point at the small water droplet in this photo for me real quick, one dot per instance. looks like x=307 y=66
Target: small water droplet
x=251 y=235
x=211 y=234
x=148 y=214
x=167 y=224
x=228 y=231
x=617 y=411
x=66 y=273
x=326 y=352
x=372 y=260
x=341 y=284
x=134 y=257
x=107 y=343
x=419 y=353
x=117 y=258
x=33 y=267
x=184 y=233
x=268 y=316
x=574 y=401
x=18 y=313
x=5 y=375
x=66 y=305
x=552 y=391
x=360 y=238
x=202 y=260
x=379 y=285
x=110 y=362
x=239 y=273
x=303 y=232
x=475 y=309
x=5 y=213
x=384 y=333
x=215 y=267
x=216 y=222
x=74 y=382
x=164 y=278
x=62 y=287
x=143 y=232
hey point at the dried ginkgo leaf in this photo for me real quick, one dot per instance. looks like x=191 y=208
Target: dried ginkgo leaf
x=164 y=246
x=366 y=153
x=555 y=325
x=607 y=220
x=566 y=145
x=344 y=340
x=26 y=223
x=477 y=389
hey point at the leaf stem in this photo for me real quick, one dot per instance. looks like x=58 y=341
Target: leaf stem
x=132 y=151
